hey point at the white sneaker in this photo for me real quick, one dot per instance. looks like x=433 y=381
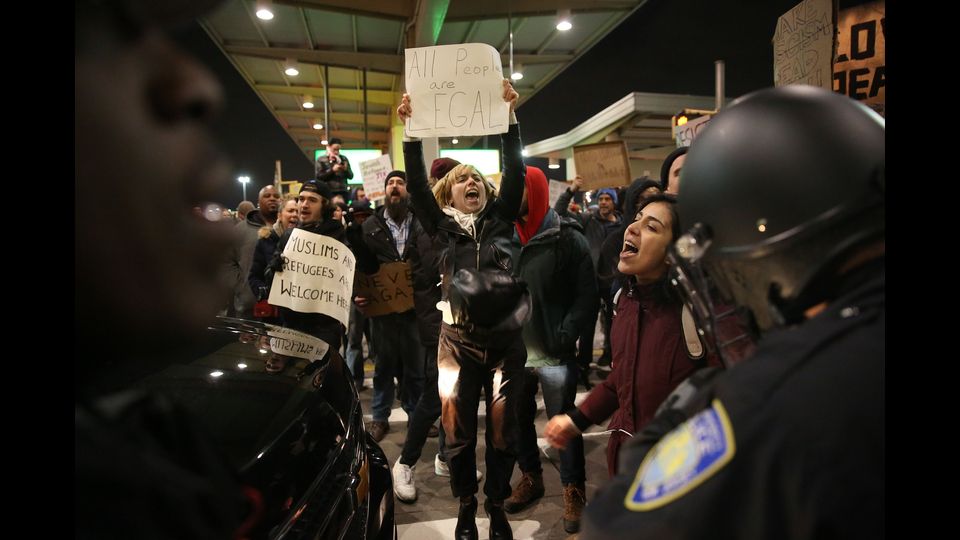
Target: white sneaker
x=440 y=468
x=404 y=486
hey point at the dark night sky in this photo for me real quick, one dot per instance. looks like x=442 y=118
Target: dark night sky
x=667 y=46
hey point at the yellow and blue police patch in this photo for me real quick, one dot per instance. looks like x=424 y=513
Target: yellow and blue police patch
x=683 y=459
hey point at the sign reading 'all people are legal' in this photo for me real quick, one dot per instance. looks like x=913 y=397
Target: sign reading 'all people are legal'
x=455 y=90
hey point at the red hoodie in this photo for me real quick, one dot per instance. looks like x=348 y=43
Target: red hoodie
x=538 y=201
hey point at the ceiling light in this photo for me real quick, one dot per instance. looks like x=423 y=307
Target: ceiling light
x=323 y=142
x=307 y=102
x=264 y=10
x=563 y=20
x=554 y=163
x=524 y=152
x=317 y=125
x=517 y=72
x=290 y=67
x=455 y=141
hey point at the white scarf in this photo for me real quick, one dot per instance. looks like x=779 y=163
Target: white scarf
x=467 y=222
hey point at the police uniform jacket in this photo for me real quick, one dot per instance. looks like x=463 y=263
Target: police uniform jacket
x=787 y=444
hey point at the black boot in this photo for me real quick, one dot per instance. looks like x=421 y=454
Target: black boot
x=499 y=526
x=466 y=520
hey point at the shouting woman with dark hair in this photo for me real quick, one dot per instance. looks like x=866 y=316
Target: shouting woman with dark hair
x=650 y=355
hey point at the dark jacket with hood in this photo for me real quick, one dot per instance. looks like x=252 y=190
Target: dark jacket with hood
x=262 y=254
x=494 y=224
x=556 y=266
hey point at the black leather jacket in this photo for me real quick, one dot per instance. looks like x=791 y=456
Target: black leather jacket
x=456 y=248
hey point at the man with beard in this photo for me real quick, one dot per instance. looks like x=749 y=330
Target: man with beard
x=241 y=256
x=388 y=236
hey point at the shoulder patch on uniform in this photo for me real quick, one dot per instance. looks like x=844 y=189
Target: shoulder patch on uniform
x=682 y=460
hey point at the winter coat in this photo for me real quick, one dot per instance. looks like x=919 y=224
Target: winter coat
x=422 y=257
x=649 y=360
x=336 y=180
x=456 y=248
x=561 y=279
x=241 y=258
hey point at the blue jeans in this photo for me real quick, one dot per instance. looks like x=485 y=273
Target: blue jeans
x=358 y=327
x=559 y=385
x=399 y=355
x=428 y=410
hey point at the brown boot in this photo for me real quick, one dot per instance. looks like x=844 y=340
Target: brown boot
x=574 y=498
x=527 y=490
x=379 y=430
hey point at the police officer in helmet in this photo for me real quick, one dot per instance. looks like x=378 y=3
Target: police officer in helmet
x=783 y=197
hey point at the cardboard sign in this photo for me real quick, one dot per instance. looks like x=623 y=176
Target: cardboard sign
x=602 y=165
x=455 y=90
x=374 y=173
x=860 y=69
x=803 y=45
x=390 y=290
x=557 y=187
x=317 y=276
x=495 y=180
x=297 y=344
x=686 y=133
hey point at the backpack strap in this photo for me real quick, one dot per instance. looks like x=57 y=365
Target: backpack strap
x=691 y=336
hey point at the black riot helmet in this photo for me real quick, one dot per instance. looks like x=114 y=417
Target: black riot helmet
x=780 y=189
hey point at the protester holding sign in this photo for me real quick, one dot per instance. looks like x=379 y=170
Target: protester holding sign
x=389 y=235
x=481 y=346
x=316 y=216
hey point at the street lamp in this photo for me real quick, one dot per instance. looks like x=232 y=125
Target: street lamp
x=244 y=180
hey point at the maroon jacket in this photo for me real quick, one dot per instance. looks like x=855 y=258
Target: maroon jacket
x=649 y=361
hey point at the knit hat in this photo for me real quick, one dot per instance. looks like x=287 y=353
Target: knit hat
x=665 y=168
x=391 y=174
x=608 y=191
x=441 y=166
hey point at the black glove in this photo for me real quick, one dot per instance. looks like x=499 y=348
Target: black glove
x=277 y=264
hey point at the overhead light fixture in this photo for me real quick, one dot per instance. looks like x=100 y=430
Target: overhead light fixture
x=307 y=102
x=517 y=72
x=553 y=163
x=290 y=67
x=455 y=141
x=563 y=20
x=317 y=124
x=524 y=152
x=264 y=10
x=323 y=142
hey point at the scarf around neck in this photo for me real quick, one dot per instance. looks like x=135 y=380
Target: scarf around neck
x=467 y=222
